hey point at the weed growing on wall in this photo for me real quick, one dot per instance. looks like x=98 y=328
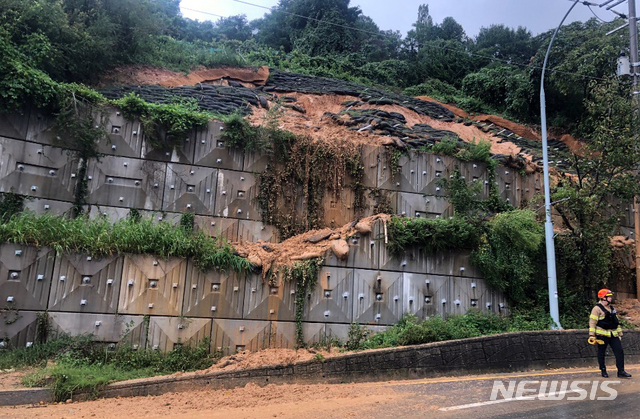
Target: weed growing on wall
x=434 y=235
x=165 y=124
x=465 y=196
x=10 y=204
x=305 y=275
x=101 y=237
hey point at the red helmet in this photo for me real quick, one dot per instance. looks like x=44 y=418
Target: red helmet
x=604 y=293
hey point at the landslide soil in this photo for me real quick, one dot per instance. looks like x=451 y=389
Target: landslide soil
x=251 y=401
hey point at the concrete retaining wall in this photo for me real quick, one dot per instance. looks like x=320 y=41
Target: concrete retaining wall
x=502 y=353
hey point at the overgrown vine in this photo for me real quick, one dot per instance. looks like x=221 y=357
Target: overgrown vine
x=299 y=172
x=305 y=276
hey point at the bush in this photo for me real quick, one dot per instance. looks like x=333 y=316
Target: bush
x=507 y=254
x=433 y=235
x=411 y=331
x=82 y=365
x=100 y=237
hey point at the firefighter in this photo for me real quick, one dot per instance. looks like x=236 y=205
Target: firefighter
x=604 y=328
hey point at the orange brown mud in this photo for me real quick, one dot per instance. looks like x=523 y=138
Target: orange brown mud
x=298 y=248
x=522 y=130
x=143 y=75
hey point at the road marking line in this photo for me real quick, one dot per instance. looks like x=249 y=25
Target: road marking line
x=497 y=377
x=513 y=399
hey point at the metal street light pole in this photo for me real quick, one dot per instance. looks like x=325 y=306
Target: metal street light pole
x=633 y=44
x=548 y=225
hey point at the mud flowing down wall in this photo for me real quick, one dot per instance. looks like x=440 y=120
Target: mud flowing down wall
x=159 y=303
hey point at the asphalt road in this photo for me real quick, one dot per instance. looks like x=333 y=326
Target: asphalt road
x=433 y=398
x=471 y=396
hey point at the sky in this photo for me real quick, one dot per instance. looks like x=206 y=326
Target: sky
x=536 y=15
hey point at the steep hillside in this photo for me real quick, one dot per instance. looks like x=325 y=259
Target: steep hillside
x=335 y=110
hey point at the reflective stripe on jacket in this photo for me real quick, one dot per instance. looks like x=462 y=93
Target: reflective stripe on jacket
x=596 y=315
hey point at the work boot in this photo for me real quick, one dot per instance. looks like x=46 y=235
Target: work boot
x=623 y=374
x=604 y=372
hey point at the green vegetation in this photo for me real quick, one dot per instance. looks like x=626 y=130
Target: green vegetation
x=47 y=43
x=508 y=252
x=78 y=365
x=165 y=124
x=101 y=237
x=434 y=235
x=412 y=331
x=305 y=276
x=10 y=204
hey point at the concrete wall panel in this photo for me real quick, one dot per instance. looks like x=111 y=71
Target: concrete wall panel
x=217 y=226
x=332 y=299
x=48 y=206
x=338 y=210
x=236 y=196
x=283 y=334
x=124 y=136
x=211 y=150
x=213 y=294
x=471 y=293
x=167 y=333
x=124 y=182
x=253 y=231
x=152 y=286
x=18 y=328
x=266 y=302
x=231 y=336
x=40 y=129
x=507 y=184
x=429 y=294
x=421 y=206
x=370 y=161
x=85 y=284
x=406 y=178
x=429 y=170
x=104 y=327
x=183 y=154
x=14 y=125
x=25 y=276
x=190 y=189
x=378 y=298
x=36 y=170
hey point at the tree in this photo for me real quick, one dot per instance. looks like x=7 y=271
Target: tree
x=604 y=175
x=581 y=53
x=505 y=88
x=505 y=44
x=232 y=27
x=450 y=30
x=313 y=26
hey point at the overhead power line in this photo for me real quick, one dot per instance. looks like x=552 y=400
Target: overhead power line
x=202 y=12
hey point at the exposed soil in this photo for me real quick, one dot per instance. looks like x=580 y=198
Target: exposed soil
x=12 y=379
x=298 y=247
x=312 y=123
x=143 y=75
x=251 y=401
x=522 y=130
